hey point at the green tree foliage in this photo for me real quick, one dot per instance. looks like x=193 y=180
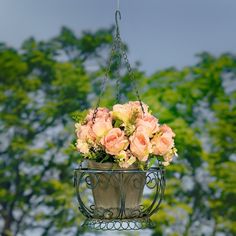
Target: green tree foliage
x=43 y=83
x=199 y=103
x=40 y=86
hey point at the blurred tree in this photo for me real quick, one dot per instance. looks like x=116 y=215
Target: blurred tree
x=40 y=85
x=44 y=82
x=199 y=103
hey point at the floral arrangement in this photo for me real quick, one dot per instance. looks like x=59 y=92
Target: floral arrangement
x=125 y=135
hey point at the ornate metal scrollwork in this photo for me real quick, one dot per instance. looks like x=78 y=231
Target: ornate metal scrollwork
x=119 y=199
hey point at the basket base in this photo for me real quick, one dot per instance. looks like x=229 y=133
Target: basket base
x=118 y=224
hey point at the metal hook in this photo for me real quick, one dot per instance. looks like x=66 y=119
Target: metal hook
x=117 y=14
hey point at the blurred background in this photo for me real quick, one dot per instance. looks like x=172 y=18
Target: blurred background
x=52 y=59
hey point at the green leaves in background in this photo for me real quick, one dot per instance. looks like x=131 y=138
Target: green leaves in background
x=45 y=83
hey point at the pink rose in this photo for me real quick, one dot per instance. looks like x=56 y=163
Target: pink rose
x=126 y=160
x=82 y=146
x=102 y=113
x=168 y=157
x=85 y=132
x=167 y=129
x=115 y=141
x=137 y=106
x=140 y=145
x=122 y=112
x=101 y=127
x=148 y=124
x=102 y=122
x=161 y=144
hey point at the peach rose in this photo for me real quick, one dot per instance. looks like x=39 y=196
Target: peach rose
x=148 y=124
x=137 y=106
x=115 y=141
x=140 y=145
x=84 y=132
x=168 y=157
x=82 y=146
x=167 y=129
x=126 y=160
x=122 y=112
x=101 y=127
x=161 y=144
x=102 y=113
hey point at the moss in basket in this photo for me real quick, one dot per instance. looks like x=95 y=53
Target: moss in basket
x=99 y=155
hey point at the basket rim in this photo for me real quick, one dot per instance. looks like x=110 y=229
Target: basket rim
x=90 y=170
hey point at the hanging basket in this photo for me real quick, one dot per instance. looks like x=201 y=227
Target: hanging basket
x=118 y=199
x=119 y=195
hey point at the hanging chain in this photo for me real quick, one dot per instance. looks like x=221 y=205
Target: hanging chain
x=131 y=75
x=107 y=71
x=118 y=94
x=116 y=46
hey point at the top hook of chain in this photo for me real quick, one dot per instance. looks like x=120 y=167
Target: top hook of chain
x=117 y=14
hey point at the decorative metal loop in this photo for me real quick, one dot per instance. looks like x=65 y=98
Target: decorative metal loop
x=117 y=16
x=151 y=180
x=118 y=225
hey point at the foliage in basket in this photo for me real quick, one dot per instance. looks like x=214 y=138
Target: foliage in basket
x=125 y=135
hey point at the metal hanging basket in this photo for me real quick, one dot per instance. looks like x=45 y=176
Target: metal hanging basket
x=114 y=198
x=119 y=199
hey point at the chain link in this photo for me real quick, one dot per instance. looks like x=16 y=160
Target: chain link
x=103 y=85
x=131 y=75
x=117 y=46
x=118 y=94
